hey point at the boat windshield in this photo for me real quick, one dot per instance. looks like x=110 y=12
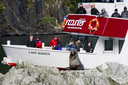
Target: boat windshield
x=103 y=1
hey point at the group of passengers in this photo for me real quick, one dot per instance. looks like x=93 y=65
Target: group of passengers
x=71 y=45
x=31 y=42
x=56 y=44
x=103 y=13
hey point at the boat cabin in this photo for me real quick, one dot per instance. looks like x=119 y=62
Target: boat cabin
x=107 y=34
x=107 y=38
x=109 y=5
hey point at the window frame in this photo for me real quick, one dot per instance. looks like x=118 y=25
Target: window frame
x=108 y=51
x=86 y=42
x=119 y=45
x=119 y=1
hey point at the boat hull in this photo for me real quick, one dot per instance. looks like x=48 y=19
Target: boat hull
x=37 y=56
x=55 y=58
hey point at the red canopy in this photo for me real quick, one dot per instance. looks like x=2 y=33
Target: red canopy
x=109 y=27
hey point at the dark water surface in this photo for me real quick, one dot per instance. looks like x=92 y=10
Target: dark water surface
x=21 y=40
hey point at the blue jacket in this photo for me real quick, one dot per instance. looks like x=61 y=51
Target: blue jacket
x=70 y=47
x=58 y=47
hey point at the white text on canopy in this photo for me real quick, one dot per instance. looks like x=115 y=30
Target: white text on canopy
x=79 y=22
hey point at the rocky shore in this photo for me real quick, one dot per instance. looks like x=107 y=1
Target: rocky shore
x=28 y=74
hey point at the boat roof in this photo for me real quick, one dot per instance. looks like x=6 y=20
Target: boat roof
x=108 y=27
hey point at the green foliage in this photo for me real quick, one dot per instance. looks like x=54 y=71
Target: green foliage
x=51 y=20
x=73 y=4
x=53 y=1
x=29 y=3
x=1 y=8
x=50 y=1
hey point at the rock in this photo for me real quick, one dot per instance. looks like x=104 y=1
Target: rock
x=28 y=74
x=1 y=78
x=23 y=64
x=116 y=73
x=21 y=17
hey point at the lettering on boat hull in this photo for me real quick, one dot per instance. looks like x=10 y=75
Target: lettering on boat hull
x=38 y=53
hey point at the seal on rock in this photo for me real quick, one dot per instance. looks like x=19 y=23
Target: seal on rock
x=74 y=61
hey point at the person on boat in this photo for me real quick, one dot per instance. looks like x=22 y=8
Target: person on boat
x=64 y=21
x=39 y=42
x=103 y=13
x=53 y=42
x=89 y=48
x=58 y=46
x=78 y=45
x=124 y=14
x=70 y=46
x=81 y=10
x=116 y=14
x=31 y=42
x=94 y=11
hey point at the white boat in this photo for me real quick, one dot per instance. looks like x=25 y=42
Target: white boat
x=110 y=42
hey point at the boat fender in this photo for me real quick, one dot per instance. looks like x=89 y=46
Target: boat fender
x=8 y=42
x=5 y=60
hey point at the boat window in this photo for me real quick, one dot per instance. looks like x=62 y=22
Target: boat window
x=74 y=38
x=108 y=45
x=121 y=42
x=104 y=1
x=93 y=40
x=119 y=0
x=82 y=39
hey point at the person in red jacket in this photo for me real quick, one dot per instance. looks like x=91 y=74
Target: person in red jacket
x=39 y=42
x=53 y=42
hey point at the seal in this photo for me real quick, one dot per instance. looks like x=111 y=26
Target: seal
x=74 y=61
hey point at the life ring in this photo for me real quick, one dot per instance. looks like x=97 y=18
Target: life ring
x=96 y=26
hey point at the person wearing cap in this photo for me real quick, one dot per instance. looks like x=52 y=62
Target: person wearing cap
x=81 y=10
x=94 y=11
x=31 y=42
x=116 y=14
x=103 y=13
x=39 y=42
x=124 y=14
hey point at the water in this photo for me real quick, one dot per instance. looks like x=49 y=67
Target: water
x=21 y=40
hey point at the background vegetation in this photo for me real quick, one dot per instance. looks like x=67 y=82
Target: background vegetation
x=22 y=17
x=51 y=20
x=73 y=4
x=1 y=8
